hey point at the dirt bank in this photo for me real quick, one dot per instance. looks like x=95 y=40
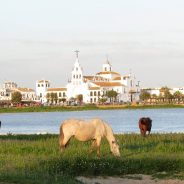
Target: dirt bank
x=130 y=179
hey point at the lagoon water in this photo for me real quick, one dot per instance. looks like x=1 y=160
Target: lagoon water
x=122 y=121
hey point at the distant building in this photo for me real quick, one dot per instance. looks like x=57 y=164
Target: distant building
x=27 y=94
x=6 y=90
x=41 y=90
x=60 y=93
x=92 y=88
x=10 y=87
x=158 y=91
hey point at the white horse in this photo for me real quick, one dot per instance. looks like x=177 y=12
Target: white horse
x=94 y=129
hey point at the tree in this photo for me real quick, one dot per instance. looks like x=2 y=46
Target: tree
x=154 y=96
x=63 y=100
x=177 y=95
x=165 y=91
x=80 y=98
x=52 y=96
x=112 y=95
x=144 y=95
x=48 y=96
x=72 y=101
x=55 y=97
x=103 y=100
x=16 y=97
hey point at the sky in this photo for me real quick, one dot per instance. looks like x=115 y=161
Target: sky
x=38 y=39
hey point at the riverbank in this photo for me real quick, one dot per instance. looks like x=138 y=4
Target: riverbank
x=36 y=158
x=84 y=108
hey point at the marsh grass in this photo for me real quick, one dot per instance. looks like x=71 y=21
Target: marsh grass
x=37 y=159
x=84 y=108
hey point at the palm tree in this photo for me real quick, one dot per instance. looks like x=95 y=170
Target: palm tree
x=165 y=91
x=178 y=95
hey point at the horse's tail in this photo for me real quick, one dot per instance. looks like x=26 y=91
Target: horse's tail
x=61 y=138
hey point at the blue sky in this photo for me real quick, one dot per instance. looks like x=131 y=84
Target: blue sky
x=38 y=39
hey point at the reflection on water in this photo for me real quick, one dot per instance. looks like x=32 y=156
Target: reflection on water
x=122 y=121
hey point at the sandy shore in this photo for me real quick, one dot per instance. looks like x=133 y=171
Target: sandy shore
x=130 y=179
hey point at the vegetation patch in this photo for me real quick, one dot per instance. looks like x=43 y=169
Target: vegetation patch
x=85 y=108
x=37 y=159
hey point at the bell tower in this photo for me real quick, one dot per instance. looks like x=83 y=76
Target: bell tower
x=77 y=72
x=107 y=67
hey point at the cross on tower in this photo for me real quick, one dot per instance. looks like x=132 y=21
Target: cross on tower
x=77 y=53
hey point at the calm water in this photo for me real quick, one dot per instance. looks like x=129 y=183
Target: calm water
x=122 y=121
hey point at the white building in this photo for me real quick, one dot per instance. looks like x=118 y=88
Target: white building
x=158 y=91
x=10 y=87
x=27 y=94
x=61 y=95
x=6 y=90
x=92 y=88
x=41 y=90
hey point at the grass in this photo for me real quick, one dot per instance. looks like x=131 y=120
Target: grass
x=37 y=159
x=83 y=108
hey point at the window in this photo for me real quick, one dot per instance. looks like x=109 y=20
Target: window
x=105 y=69
x=91 y=93
x=95 y=93
x=59 y=94
x=40 y=94
x=38 y=85
x=64 y=94
x=98 y=93
x=42 y=85
x=74 y=76
x=91 y=100
x=76 y=69
x=94 y=99
x=77 y=76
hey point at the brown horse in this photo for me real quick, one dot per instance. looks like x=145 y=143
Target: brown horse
x=145 y=125
x=94 y=129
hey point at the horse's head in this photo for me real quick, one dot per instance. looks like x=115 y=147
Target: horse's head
x=115 y=149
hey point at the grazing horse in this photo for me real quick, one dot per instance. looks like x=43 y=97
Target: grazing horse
x=145 y=125
x=94 y=129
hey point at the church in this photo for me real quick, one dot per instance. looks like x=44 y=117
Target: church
x=92 y=88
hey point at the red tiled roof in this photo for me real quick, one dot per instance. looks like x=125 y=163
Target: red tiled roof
x=56 y=89
x=25 y=90
x=117 y=78
x=94 y=88
x=110 y=72
x=41 y=81
x=108 y=84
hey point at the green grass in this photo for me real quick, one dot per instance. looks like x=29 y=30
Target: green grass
x=84 y=108
x=37 y=159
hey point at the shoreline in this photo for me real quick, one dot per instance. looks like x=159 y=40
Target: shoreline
x=86 y=108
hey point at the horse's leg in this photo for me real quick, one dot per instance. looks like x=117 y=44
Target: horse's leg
x=98 y=142
x=63 y=142
x=142 y=132
x=93 y=145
